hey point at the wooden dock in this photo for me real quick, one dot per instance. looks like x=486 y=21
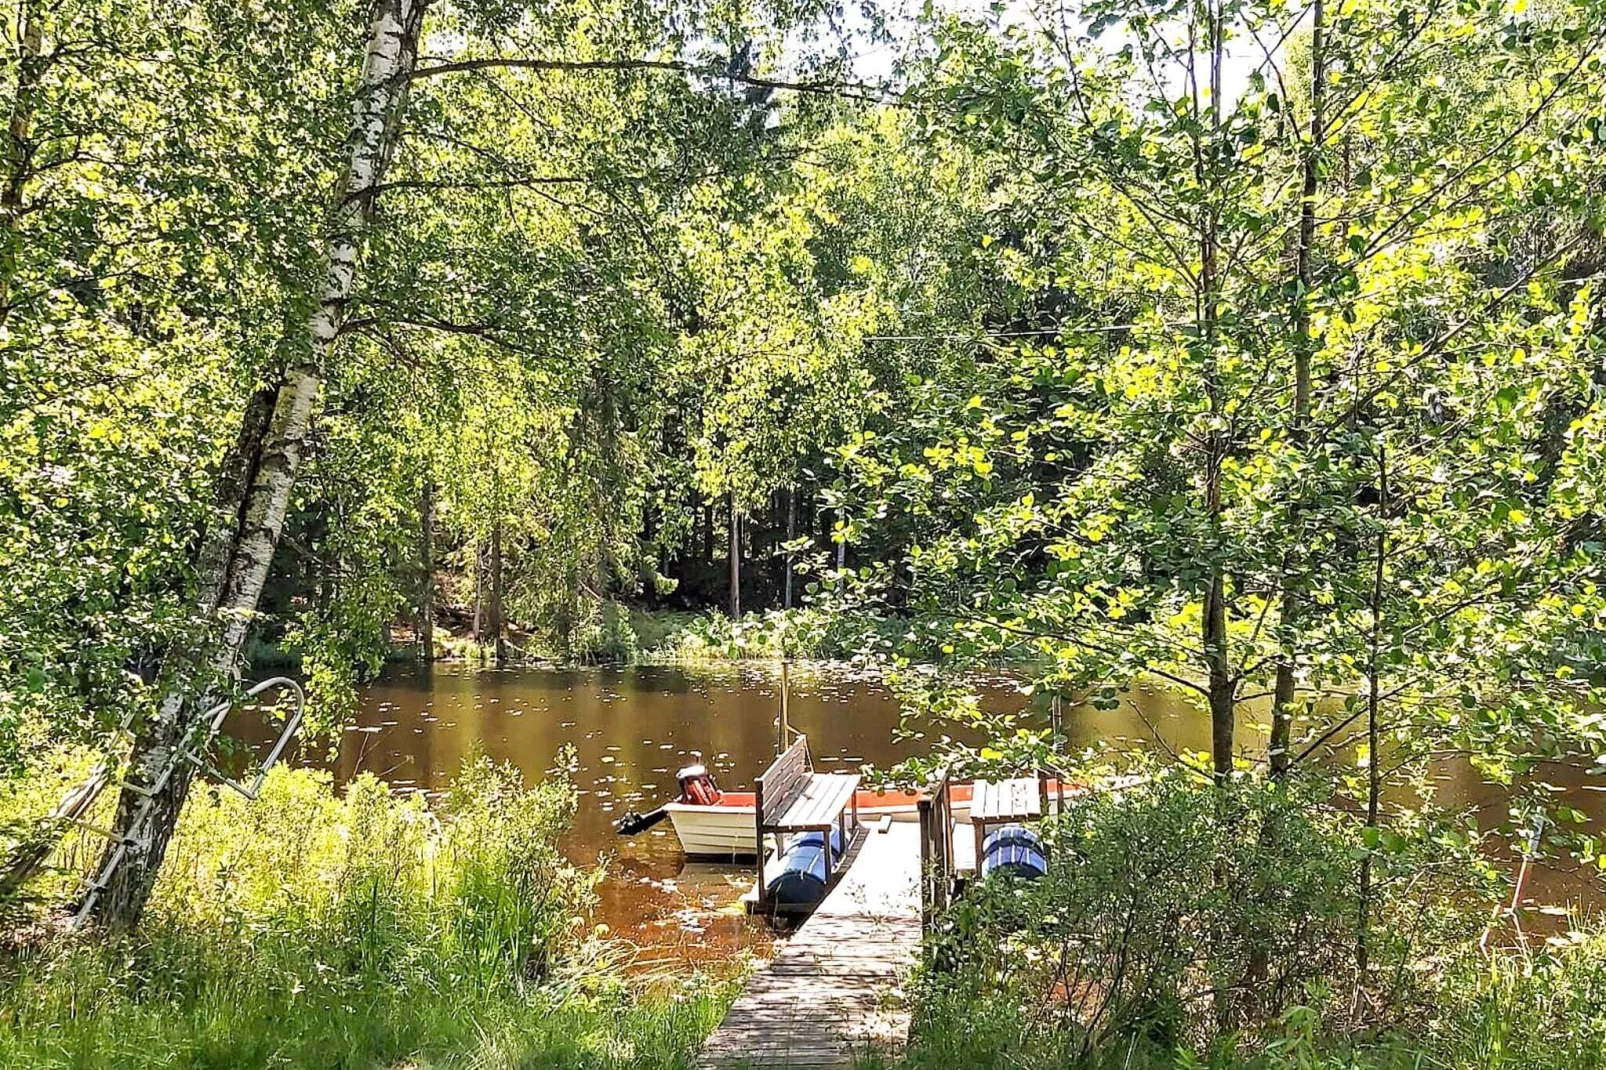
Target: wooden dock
x=833 y=992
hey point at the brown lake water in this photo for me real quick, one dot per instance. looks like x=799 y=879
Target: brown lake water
x=632 y=727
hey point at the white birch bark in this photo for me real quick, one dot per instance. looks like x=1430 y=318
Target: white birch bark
x=392 y=48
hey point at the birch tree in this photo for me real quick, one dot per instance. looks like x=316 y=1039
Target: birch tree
x=588 y=68
x=255 y=489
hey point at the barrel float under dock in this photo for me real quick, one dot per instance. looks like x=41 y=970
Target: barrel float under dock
x=798 y=880
x=1015 y=850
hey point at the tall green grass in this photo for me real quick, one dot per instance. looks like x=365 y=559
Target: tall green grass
x=165 y=1003
x=311 y=928
x=1545 y=1010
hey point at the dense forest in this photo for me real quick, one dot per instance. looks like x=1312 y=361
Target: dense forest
x=1253 y=349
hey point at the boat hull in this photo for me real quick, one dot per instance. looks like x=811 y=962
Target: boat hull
x=714 y=831
x=726 y=829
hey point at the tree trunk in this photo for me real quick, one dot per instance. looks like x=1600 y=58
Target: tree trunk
x=1282 y=719
x=1374 y=776
x=426 y=568
x=479 y=593
x=19 y=148
x=145 y=819
x=735 y=560
x=1223 y=689
x=215 y=556
x=1222 y=686
x=841 y=551
x=791 y=533
x=498 y=628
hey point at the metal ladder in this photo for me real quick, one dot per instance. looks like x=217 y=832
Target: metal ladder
x=190 y=749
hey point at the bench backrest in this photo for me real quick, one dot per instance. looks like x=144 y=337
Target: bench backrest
x=784 y=780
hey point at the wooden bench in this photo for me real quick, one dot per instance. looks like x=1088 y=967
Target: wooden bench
x=1005 y=802
x=790 y=797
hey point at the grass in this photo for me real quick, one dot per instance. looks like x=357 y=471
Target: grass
x=359 y=929
x=1508 y=1012
x=132 y=1007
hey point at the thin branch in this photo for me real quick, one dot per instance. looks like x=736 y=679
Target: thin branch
x=847 y=90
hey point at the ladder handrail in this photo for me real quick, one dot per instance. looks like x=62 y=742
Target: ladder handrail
x=219 y=712
x=211 y=722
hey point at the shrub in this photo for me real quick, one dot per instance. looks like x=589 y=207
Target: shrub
x=1176 y=915
x=616 y=637
x=799 y=633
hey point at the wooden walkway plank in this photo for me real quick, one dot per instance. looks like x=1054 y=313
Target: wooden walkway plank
x=833 y=992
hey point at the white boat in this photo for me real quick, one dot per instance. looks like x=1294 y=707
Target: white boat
x=722 y=826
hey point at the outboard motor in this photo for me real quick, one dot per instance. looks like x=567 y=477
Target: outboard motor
x=697 y=786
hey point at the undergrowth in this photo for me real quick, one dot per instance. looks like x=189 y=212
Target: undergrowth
x=1180 y=928
x=364 y=928
x=796 y=633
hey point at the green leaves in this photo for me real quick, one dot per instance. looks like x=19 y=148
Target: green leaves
x=1450 y=333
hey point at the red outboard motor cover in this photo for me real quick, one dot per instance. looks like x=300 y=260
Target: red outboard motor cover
x=697 y=786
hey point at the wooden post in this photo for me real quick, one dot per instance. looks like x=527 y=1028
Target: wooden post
x=758 y=838
x=936 y=849
x=927 y=863
x=786 y=720
x=978 y=824
x=1056 y=718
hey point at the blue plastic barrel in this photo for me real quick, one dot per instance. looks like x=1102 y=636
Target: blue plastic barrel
x=817 y=839
x=1015 y=850
x=799 y=877
x=1011 y=836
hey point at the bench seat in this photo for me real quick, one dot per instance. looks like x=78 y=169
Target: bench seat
x=821 y=804
x=1006 y=801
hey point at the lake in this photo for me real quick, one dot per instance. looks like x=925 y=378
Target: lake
x=632 y=727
